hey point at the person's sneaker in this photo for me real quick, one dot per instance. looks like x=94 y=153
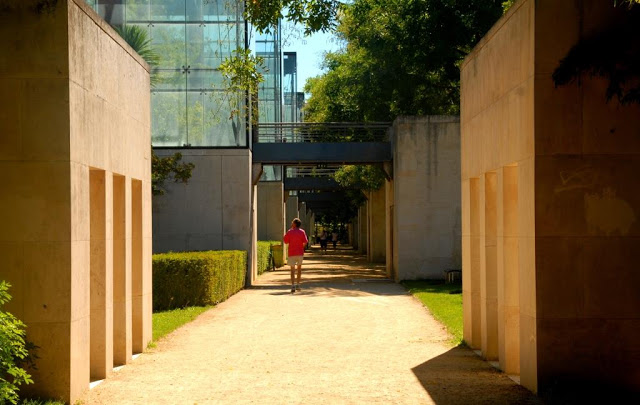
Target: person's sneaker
x=293 y=289
x=297 y=287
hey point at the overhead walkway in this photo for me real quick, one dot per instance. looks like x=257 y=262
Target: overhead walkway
x=321 y=143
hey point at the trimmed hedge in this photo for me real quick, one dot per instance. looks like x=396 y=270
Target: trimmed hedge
x=197 y=278
x=263 y=254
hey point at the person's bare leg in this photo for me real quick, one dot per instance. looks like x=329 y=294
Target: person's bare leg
x=299 y=273
x=293 y=279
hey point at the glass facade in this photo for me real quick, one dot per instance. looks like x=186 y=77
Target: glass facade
x=189 y=105
x=268 y=47
x=290 y=86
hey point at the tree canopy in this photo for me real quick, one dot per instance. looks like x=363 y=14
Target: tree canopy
x=400 y=57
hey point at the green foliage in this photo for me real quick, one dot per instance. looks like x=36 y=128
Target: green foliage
x=241 y=75
x=138 y=39
x=313 y=15
x=444 y=302
x=401 y=58
x=613 y=53
x=264 y=254
x=166 y=322
x=362 y=177
x=506 y=5
x=197 y=278
x=170 y=167
x=14 y=351
x=37 y=401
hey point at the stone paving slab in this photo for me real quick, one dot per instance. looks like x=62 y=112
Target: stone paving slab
x=335 y=342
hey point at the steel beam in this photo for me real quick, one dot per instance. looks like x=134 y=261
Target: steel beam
x=311 y=183
x=319 y=152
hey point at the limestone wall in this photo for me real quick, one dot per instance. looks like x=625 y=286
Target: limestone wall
x=426 y=196
x=75 y=207
x=587 y=212
x=549 y=216
x=212 y=211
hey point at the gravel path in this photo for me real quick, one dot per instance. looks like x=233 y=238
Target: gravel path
x=348 y=337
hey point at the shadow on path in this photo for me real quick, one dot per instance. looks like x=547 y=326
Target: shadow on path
x=459 y=376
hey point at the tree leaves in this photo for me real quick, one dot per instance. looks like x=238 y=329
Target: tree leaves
x=401 y=57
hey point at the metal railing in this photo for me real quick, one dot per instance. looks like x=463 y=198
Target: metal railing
x=312 y=171
x=297 y=132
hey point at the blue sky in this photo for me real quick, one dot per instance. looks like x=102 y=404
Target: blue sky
x=310 y=50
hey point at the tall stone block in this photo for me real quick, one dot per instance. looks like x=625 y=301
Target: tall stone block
x=567 y=217
x=426 y=189
x=72 y=116
x=291 y=209
x=377 y=242
x=271 y=210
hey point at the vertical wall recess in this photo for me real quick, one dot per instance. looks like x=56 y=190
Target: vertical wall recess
x=137 y=291
x=474 y=270
x=488 y=273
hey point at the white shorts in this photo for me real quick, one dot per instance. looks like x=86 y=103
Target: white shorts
x=294 y=260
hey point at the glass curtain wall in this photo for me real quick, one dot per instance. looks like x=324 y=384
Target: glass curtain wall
x=189 y=105
x=268 y=46
x=290 y=86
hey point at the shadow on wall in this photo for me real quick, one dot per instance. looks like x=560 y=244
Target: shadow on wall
x=459 y=376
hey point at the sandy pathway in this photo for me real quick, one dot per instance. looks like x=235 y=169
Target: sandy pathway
x=347 y=338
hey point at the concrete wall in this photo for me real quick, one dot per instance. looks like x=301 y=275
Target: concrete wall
x=212 y=211
x=549 y=217
x=271 y=214
x=76 y=206
x=426 y=196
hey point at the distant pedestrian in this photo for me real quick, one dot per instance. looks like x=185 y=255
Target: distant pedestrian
x=334 y=239
x=297 y=240
x=324 y=241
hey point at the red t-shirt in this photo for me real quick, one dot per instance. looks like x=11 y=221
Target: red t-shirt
x=297 y=239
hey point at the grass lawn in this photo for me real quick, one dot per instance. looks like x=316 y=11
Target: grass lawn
x=166 y=322
x=443 y=300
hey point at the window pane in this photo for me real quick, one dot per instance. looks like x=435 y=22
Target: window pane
x=221 y=129
x=138 y=11
x=168 y=118
x=168 y=10
x=169 y=43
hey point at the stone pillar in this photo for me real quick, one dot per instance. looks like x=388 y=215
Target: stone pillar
x=122 y=310
x=391 y=238
x=376 y=245
x=363 y=232
x=101 y=268
x=271 y=214
x=426 y=188
x=488 y=268
x=508 y=275
x=291 y=207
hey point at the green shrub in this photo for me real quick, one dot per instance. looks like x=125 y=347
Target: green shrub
x=196 y=278
x=13 y=351
x=263 y=254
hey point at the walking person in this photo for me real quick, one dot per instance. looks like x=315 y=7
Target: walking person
x=324 y=241
x=334 y=239
x=296 y=238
